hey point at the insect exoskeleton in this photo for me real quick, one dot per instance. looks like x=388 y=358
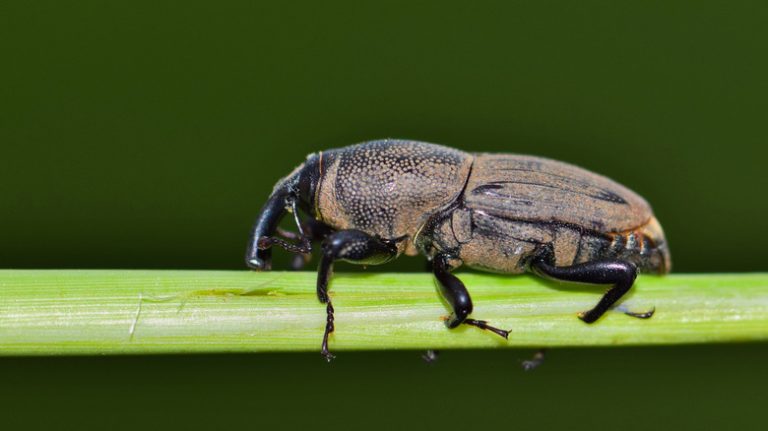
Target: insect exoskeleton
x=368 y=203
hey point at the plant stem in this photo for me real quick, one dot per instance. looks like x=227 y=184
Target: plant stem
x=51 y=312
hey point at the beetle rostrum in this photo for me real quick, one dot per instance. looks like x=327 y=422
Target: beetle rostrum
x=371 y=202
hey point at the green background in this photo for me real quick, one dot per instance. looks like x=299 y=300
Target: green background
x=147 y=134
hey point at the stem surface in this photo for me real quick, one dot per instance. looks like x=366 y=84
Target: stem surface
x=51 y=312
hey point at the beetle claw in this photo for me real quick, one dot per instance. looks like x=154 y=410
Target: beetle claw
x=644 y=315
x=482 y=324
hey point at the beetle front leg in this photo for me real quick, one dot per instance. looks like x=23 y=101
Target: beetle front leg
x=310 y=229
x=353 y=246
x=457 y=296
x=617 y=273
x=304 y=245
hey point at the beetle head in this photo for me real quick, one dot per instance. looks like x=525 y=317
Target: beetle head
x=297 y=190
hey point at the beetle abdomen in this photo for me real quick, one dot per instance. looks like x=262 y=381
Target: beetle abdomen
x=389 y=187
x=497 y=244
x=543 y=190
x=514 y=207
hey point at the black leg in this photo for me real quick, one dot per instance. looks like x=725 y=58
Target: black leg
x=352 y=246
x=619 y=274
x=304 y=245
x=455 y=293
x=302 y=250
x=315 y=230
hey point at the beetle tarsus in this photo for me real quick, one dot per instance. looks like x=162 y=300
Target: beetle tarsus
x=328 y=330
x=618 y=273
x=304 y=247
x=309 y=230
x=641 y=315
x=482 y=324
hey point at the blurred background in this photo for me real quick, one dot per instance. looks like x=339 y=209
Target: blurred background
x=148 y=134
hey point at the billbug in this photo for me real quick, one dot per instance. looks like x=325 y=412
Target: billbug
x=371 y=202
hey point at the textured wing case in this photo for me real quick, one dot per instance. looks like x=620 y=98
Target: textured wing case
x=542 y=190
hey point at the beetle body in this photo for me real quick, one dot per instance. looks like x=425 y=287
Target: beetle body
x=514 y=206
x=494 y=212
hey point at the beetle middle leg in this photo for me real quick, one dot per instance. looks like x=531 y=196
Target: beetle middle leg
x=617 y=273
x=457 y=296
x=353 y=246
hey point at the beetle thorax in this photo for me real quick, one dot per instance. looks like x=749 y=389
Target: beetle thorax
x=389 y=188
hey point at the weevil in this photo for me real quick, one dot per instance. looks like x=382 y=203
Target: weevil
x=504 y=213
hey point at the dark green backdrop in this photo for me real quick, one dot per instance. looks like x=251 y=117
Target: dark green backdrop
x=146 y=134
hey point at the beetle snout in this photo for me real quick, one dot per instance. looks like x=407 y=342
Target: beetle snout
x=258 y=259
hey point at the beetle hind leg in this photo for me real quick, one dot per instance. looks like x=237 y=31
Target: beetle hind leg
x=617 y=273
x=457 y=296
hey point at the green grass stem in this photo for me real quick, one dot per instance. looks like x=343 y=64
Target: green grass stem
x=52 y=312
